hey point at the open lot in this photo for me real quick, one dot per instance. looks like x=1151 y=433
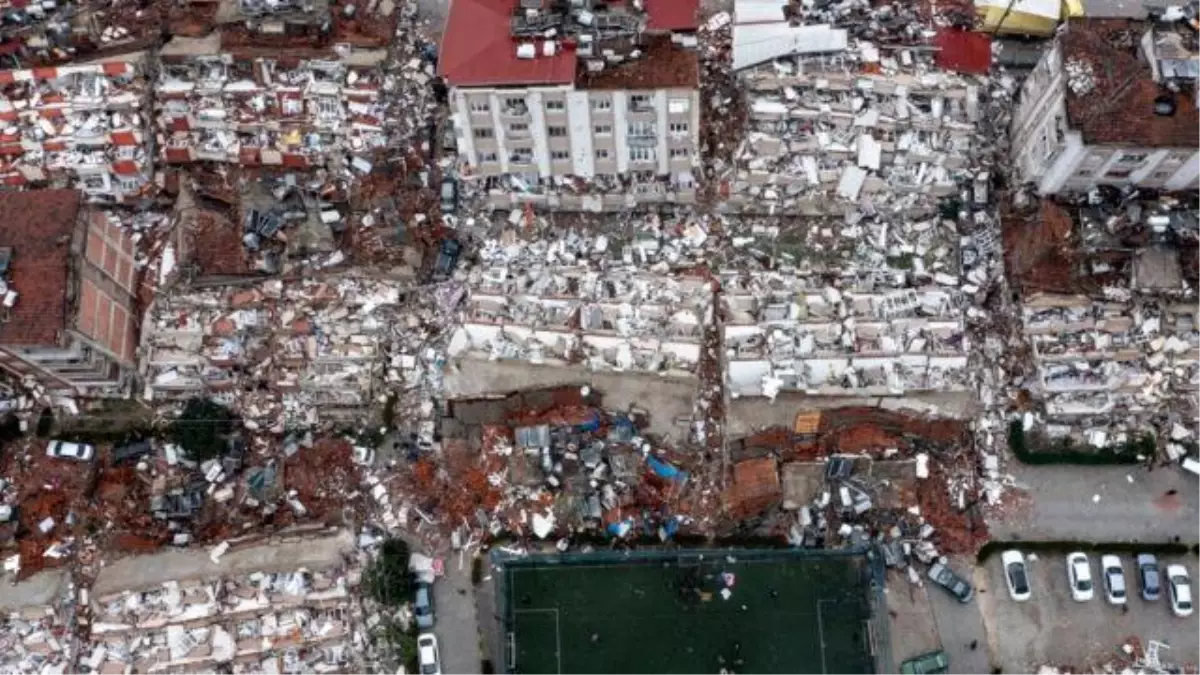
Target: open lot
x=668 y=615
x=1051 y=628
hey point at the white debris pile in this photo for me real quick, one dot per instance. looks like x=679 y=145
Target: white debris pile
x=1081 y=76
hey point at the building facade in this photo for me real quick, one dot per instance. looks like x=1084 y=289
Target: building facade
x=534 y=116
x=1092 y=113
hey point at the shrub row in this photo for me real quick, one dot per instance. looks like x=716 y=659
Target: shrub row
x=1066 y=452
x=1064 y=547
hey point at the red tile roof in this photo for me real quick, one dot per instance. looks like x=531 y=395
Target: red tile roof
x=38 y=225
x=478 y=49
x=680 y=15
x=1119 y=109
x=964 y=51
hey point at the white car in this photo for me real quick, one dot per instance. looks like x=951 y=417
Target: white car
x=1114 y=579
x=82 y=452
x=1079 y=573
x=1016 y=574
x=1179 y=589
x=429 y=661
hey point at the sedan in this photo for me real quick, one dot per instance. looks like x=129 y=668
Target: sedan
x=1147 y=566
x=1114 y=579
x=945 y=577
x=1079 y=574
x=1016 y=574
x=81 y=452
x=1180 y=590
x=429 y=660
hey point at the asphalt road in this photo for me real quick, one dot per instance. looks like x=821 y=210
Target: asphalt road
x=456 y=627
x=961 y=625
x=1103 y=503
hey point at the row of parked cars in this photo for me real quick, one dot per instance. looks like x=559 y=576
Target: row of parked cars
x=1150 y=576
x=429 y=659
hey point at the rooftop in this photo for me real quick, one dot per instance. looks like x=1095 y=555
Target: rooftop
x=1115 y=102
x=479 y=49
x=38 y=225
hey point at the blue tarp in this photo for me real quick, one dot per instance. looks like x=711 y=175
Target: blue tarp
x=621 y=527
x=664 y=470
x=592 y=423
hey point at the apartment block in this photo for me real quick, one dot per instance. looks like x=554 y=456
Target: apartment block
x=79 y=125
x=242 y=107
x=1112 y=102
x=69 y=316
x=604 y=116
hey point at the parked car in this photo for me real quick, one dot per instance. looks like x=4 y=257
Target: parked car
x=131 y=452
x=364 y=456
x=423 y=606
x=428 y=658
x=926 y=664
x=449 y=195
x=1079 y=574
x=1180 y=590
x=1147 y=566
x=1016 y=575
x=945 y=577
x=1114 y=579
x=447 y=258
x=82 y=452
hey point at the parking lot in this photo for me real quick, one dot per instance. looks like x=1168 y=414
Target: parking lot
x=1053 y=629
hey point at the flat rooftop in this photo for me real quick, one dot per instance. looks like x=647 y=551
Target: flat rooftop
x=668 y=612
x=38 y=225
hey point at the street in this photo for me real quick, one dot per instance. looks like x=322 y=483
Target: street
x=1133 y=505
x=456 y=627
x=959 y=625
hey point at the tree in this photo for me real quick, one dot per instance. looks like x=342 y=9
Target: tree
x=201 y=428
x=389 y=581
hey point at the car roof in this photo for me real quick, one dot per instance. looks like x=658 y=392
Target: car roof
x=1011 y=555
x=1183 y=593
x=1110 y=559
x=1173 y=570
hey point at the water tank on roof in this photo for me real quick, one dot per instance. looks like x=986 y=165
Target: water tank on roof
x=526 y=51
x=1164 y=105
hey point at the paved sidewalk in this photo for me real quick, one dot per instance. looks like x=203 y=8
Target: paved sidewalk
x=457 y=629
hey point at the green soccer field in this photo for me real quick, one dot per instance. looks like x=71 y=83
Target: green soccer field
x=799 y=615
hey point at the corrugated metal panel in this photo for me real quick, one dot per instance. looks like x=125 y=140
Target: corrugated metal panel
x=758 y=43
x=758 y=11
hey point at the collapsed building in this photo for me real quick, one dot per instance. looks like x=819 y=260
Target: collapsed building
x=39 y=34
x=589 y=105
x=69 y=317
x=84 y=126
x=252 y=614
x=1111 y=102
x=1109 y=311
x=281 y=353
x=564 y=316
x=247 y=108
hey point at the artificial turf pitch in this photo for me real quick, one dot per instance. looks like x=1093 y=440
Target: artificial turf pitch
x=789 y=616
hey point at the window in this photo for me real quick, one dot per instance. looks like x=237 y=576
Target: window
x=130 y=184
x=641 y=129
x=489 y=157
x=678 y=106
x=602 y=129
x=556 y=132
x=480 y=107
x=602 y=154
x=555 y=106
x=95 y=182
x=483 y=133
x=514 y=102
x=521 y=156
x=519 y=128
x=1083 y=173
x=1163 y=175
x=680 y=153
x=559 y=155
x=641 y=154
x=601 y=104
x=678 y=127
x=1132 y=158
x=639 y=102
x=329 y=107
x=1118 y=173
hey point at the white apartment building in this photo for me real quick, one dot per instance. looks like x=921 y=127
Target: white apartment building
x=534 y=116
x=1093 y=113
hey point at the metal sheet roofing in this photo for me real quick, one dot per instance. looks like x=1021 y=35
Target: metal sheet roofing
x=478 y=49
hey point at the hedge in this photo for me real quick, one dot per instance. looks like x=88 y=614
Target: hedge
x=1064 y=452
x=1064 y=547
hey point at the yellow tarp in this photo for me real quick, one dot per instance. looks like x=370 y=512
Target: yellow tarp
x=1024 y=17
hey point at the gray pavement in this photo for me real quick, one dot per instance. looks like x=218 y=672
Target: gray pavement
x=961 y=625
x=37 y=592
x=456 y=628
x=1132 y=504
x=1052 y=629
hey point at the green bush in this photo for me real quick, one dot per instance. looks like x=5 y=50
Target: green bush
x=1065 y=452
x=388 y=580
x=201 y=429
x=1065 y=547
